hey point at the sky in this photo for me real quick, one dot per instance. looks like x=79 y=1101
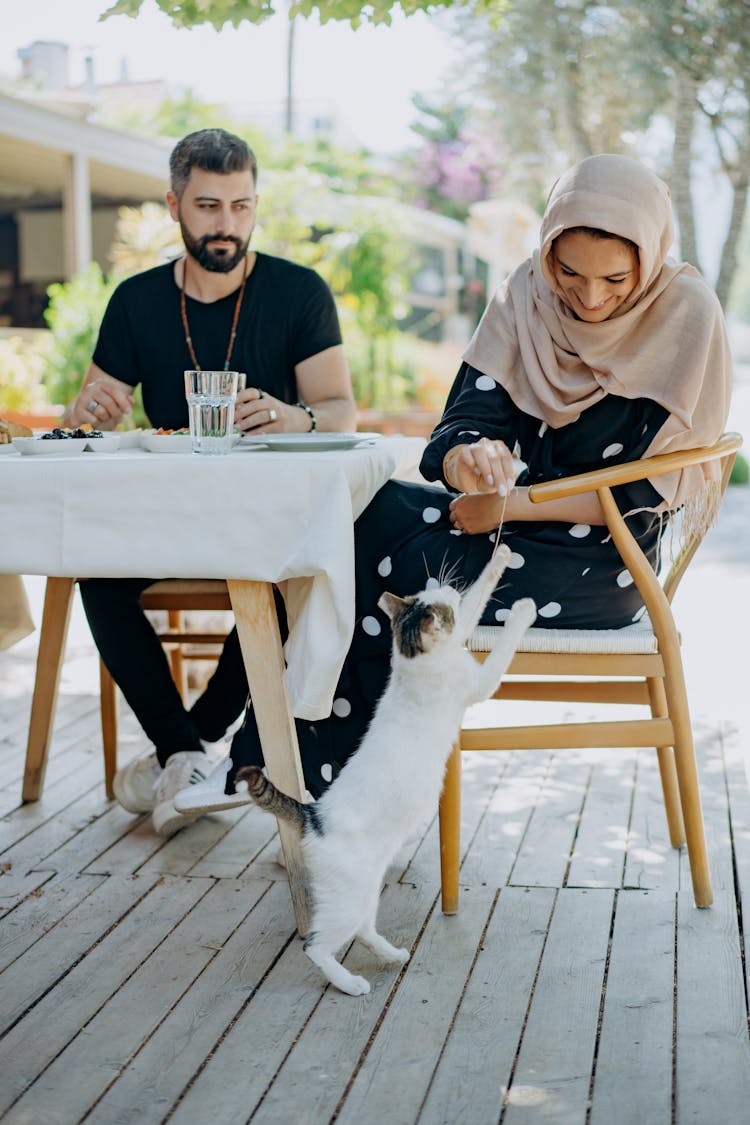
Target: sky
x=369 y=73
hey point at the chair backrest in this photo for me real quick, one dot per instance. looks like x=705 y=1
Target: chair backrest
x=656 y=594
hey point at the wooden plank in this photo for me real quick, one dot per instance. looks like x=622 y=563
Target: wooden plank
x=493 y=850
x=15 y=888
x=67 y=1007
x=712 y=1080
x=249 y=832
x=650 y=861
x=598 y=856
x=633 y=1081
x=545 y=850
x=479 y=1055
x=256 y=1046
x=554 y=1066
x=46 y=962
x=130 y=1016
x=713 y=1048
x=396 y=1073
x=39 y=912
x=314 y=1077
x=152 y=1082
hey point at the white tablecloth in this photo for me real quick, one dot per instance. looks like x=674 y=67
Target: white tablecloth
x=269 y=516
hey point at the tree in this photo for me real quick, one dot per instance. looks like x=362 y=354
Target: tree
x=457 y=164
x=574 y=77
x=571 y=77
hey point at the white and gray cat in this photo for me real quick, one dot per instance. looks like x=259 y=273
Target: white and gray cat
x=393 y=781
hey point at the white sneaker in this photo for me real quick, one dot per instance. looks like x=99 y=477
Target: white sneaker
x=189 y=767
x=209 y=795
x=135 y=783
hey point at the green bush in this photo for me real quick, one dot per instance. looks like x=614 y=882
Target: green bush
x=22 y=365
x=740 y=471
x=73 y=315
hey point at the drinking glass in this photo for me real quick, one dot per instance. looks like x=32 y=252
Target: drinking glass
x=211 y=396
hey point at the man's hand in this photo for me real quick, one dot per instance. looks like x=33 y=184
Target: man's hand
x=257 y=412
x=102 y=401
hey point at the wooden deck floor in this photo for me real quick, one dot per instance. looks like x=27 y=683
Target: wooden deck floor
x=143 y=980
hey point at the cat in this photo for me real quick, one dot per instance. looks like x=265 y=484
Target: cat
x=392 y=782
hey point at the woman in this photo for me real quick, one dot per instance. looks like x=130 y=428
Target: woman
x=597 y=350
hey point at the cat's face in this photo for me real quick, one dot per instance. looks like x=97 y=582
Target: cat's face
x=422 y=621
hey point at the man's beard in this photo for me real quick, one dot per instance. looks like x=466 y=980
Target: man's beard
x=216 y=261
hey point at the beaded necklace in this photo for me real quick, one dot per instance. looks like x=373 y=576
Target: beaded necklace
x=235 y=318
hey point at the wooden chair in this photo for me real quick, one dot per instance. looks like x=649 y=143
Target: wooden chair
x=640 y=664
x=175 y=595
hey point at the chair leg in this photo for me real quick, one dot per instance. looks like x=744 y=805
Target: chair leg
x=58 y=599
x=177 y=662
x=687 y=776
x=108 y=706
x=667 y=770
x=450 y=832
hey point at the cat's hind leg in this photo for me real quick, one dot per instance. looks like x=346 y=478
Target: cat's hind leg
x=335 y=922
x=321 y=955
x=381 y=947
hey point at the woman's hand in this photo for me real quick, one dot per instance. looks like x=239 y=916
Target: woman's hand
x=484 y=466
x=478 y=513
x=259 y=413
x=102 y=401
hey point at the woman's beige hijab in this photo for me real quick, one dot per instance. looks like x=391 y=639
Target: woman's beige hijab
x=667 y=342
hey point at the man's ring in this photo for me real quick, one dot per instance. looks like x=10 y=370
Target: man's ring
x=272 y=415
x=92 y=406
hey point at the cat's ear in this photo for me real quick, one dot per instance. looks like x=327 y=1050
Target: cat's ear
x=391 y=604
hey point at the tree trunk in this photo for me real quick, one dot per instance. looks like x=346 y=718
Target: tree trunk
x=739 y=177
x=289 y=106
x=684 y=126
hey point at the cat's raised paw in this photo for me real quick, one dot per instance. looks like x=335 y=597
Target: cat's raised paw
x=525 y=611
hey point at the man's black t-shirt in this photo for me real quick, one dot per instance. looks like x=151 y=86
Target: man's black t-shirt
x=287 y=315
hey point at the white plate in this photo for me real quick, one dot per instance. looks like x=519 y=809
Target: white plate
x=166 y=443
x=130 y=439
x=108 y=443
x=60 y=447
x=304 y=443
x=8 y=447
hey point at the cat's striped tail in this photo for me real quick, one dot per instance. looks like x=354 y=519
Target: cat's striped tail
x=267 y=796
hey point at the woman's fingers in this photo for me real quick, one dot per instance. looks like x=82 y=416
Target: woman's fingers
x=492 y=466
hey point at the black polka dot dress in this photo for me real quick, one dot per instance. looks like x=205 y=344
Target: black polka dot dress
x=404 y=542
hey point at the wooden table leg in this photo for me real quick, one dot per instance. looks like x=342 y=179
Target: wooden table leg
x=58 y=599
x=260 y=641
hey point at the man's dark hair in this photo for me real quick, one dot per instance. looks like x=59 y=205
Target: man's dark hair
x=213 y=150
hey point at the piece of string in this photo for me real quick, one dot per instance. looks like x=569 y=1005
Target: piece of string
x=499 y=526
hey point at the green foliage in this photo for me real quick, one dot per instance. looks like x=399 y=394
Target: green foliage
x=22 y=364
x=73 y=315
x=740 y=471
x=217 y=13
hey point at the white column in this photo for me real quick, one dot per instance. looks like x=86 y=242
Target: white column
x=76 y=214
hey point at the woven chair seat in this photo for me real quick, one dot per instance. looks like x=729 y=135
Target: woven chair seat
x=637 y=638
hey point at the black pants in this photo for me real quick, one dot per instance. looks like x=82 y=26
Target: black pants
x=134 y=656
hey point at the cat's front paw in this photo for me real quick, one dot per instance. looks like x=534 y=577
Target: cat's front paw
x=524 y=611
x=499 y=561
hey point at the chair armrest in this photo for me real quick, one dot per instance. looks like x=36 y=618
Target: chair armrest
x=633 y=470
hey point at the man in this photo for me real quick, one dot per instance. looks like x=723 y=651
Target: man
x=221 y=305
